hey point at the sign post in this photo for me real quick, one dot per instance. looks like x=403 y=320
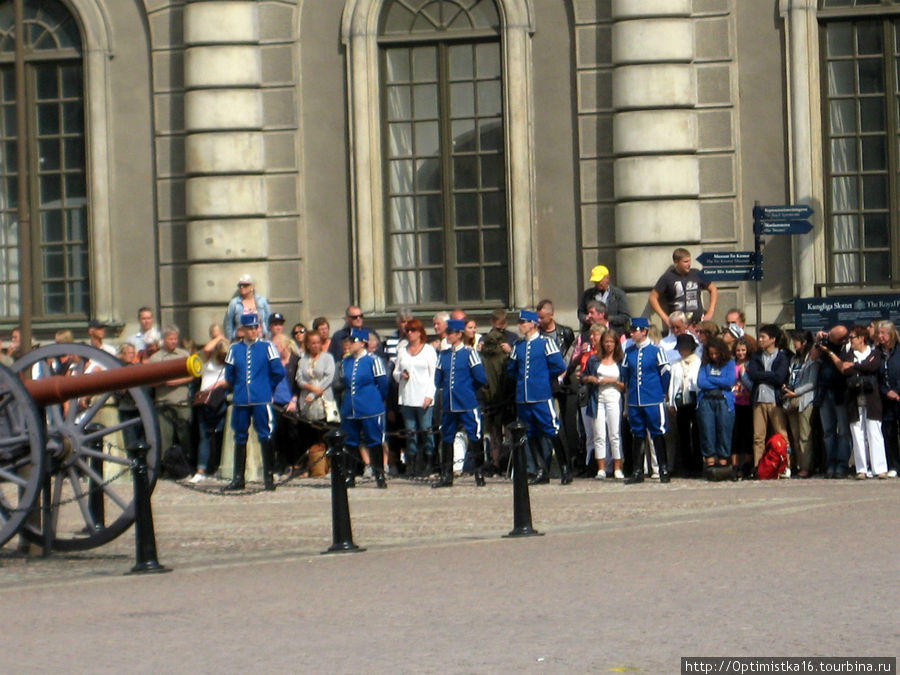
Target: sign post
x=789 y=219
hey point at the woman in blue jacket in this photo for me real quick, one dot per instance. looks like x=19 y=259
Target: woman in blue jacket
x=715 y=405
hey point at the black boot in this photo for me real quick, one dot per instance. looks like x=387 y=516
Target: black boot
x=565 y=473
x=240 y=462
x=446 y=479
x=637 y=458
x=659 y=445
x=542 y=476
x=266 y=452
x=412 y=465
x=477 y=450
x=376 y=455
x=428 y=466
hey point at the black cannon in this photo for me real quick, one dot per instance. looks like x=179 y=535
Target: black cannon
x=64 y=436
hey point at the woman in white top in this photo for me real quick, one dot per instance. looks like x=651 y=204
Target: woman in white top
x=414 y=371
x=605 y=403
x=211 y=416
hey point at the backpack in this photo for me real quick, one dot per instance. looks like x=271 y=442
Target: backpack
x=775 y=460
x=175 y=464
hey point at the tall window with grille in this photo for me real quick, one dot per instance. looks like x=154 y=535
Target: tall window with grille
x=861 y=89
x=55 y=145
x=445 y=186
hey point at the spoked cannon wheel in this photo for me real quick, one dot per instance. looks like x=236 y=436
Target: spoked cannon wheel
x=21 y=454
x=92 y=499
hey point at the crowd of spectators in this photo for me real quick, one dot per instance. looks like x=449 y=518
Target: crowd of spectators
x=833 y=396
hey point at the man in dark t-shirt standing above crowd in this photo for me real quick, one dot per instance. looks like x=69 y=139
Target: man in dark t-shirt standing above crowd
x=679 y=289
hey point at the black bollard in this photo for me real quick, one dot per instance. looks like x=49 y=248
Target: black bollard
x=144 y=537
x=340 y=508
x=521 y=501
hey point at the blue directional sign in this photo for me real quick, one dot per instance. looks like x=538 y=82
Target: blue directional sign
x=731 y=274
x=781 y=226
x=728 y=258
x=786 y=212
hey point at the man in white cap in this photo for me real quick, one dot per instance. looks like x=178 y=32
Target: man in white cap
x=614 y=298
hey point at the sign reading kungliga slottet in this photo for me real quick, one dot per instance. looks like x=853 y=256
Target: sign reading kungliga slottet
x=822 y=313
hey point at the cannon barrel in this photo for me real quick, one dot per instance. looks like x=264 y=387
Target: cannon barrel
x=59 y=388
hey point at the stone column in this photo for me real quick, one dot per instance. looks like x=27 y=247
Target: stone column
x=227 y=233
x=656 y=170
x=807 y=177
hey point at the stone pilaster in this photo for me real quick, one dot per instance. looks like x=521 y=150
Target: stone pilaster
x=656 y=168
x=226 y=203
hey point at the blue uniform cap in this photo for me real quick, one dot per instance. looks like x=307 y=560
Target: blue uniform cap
x=359 y=335
x=527 y=315
x=640 y=322
x=249 y=319
x=455 y=325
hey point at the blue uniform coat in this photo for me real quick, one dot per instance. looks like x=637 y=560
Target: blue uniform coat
x=459 y=375
x=535 y=363
x=253 y=371
x=365 y=386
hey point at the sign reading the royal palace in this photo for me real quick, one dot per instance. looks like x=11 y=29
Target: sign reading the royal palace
x=822 y=313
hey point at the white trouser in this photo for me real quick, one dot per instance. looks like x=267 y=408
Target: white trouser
x=589 y=440
x=606 y=427
x=865 y=431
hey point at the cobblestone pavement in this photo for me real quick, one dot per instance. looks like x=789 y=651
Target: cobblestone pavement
x=625 y=579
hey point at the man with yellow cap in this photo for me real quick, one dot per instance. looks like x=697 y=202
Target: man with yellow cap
x=614 y=298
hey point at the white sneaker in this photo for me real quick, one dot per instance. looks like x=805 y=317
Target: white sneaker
x=786 y=474
x=368 y=473
x=601 y=475
x=892 y=473
x=618 y=475
x=198 y=478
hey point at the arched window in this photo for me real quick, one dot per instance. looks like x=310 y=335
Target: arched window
x=56 y=149
x=443 y=150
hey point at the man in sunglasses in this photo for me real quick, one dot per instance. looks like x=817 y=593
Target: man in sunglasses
x=353 y=320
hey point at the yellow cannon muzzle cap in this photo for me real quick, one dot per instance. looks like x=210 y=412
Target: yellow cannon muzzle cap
x=194 y=365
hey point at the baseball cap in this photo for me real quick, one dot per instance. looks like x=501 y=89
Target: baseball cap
x=598 y=273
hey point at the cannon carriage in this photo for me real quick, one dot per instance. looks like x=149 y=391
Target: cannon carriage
x=67 y=413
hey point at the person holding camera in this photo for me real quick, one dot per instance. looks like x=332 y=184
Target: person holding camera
x=861 y=366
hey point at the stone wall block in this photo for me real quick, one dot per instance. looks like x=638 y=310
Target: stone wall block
x=226 y=196
x=669 y=85
x=217 y=283
x=222 y=66
x=656 y=221
x=654 y=177
x=223 y=21
x=655 y=131
x=633 y=9
x=225 y=152
x=653 y=41
x=215 y=109
x=228 y=239
x=641 y=267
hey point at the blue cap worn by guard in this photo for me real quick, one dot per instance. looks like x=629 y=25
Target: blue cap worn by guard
x=640 y=322
x=528 y=315
x=455 y=325
x=249 y=319
x=359 y=335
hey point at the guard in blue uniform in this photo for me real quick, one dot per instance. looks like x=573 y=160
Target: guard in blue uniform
x=252 y=369
x=365 y=385
x=534 y=363
x=646 y=372
x=459 y=376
